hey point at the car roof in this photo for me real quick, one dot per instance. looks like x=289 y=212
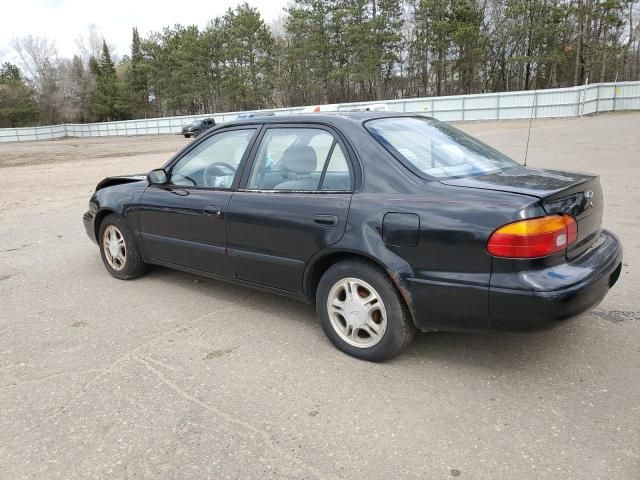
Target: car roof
x=329 y=117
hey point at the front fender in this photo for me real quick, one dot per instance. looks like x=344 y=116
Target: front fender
x=122 y=199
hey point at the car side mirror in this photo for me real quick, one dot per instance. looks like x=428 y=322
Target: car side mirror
x=158 y=176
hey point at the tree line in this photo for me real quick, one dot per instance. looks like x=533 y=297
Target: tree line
x=326 y=51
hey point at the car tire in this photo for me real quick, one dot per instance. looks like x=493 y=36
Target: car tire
x=370 y=306
x=187 y=136
x=118 y=249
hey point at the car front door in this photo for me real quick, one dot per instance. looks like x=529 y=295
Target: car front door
x=293 y=201
x=183 y=223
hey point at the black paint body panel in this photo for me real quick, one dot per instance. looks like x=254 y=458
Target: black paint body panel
x=272 y=235
x=180 y=226
x=401 y=229
x=430 y=236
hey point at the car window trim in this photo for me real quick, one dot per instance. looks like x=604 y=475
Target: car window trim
x=326 y=165
x=236 y=180
x=242 y=187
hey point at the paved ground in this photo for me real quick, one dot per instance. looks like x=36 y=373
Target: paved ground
x=175 y=377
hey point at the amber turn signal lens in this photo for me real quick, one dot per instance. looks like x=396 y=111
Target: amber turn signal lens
x=535 y=237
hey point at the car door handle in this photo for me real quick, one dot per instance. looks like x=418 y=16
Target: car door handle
x=325 y=220
x=212 y=210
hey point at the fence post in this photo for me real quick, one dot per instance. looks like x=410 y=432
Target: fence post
x=499 y=96
x=578 y=102
x=584 y=95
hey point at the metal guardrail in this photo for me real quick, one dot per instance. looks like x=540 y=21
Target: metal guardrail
x=557 y=102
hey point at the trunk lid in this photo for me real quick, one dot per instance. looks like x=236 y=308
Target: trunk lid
x=576 y=194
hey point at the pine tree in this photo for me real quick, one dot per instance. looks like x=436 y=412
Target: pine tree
x=108 y=101
x=137 y=78
x=247 y=81
x=18 y=106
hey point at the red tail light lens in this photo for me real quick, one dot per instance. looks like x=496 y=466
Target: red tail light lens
x=535 y=237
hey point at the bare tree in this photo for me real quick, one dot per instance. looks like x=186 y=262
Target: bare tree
x=39 y=57
x=91 y=45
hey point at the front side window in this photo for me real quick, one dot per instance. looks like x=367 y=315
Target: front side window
x=435 y=148
x=297 y=159
x=214 y=162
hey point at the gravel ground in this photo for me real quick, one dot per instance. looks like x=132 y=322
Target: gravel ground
x=176 y=377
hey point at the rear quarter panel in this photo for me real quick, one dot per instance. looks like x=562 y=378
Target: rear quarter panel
x=445 y=277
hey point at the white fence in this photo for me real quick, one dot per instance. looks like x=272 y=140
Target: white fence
x=558 y=102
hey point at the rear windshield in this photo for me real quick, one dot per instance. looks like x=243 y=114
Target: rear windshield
x=436 y=149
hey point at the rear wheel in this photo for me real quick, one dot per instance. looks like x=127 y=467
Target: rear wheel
x=118 y=250
x=362 y=312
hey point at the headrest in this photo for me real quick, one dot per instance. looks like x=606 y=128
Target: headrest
x=300 y=159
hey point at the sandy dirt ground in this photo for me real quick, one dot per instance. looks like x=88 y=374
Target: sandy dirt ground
x=176 y=377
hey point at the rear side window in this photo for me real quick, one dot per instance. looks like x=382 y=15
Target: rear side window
x=300 y=159
x=436 y=149
x=336 y=176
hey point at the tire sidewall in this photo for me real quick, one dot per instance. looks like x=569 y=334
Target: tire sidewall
x=127 y=271
x=392 y=340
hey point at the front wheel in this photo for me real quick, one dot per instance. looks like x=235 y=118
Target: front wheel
x=362 y=312
x=118 y=249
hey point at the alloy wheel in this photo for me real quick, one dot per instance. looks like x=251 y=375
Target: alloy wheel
x=115 y=249
x=357 y=313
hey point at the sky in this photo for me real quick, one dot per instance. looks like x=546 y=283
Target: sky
x=65 y=20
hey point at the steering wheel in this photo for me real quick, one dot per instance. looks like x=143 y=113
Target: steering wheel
x=217 y=169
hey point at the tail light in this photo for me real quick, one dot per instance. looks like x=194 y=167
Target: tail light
x=535 y=237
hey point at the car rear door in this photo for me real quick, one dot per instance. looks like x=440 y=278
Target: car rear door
x=183 y=223
x=292 y=202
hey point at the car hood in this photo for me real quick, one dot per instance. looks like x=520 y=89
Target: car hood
x=535 y=182
x=110 y=181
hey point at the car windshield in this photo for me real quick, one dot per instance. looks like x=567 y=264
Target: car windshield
x=435 y=148
x=196 y=123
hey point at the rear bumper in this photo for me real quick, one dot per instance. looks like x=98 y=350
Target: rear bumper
x=526 y=300
x=578 y=286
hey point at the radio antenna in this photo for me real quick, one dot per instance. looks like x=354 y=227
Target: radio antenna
x=533 y=110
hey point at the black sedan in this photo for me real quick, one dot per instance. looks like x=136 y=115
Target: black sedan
x=388 y=223
x=198 y=127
